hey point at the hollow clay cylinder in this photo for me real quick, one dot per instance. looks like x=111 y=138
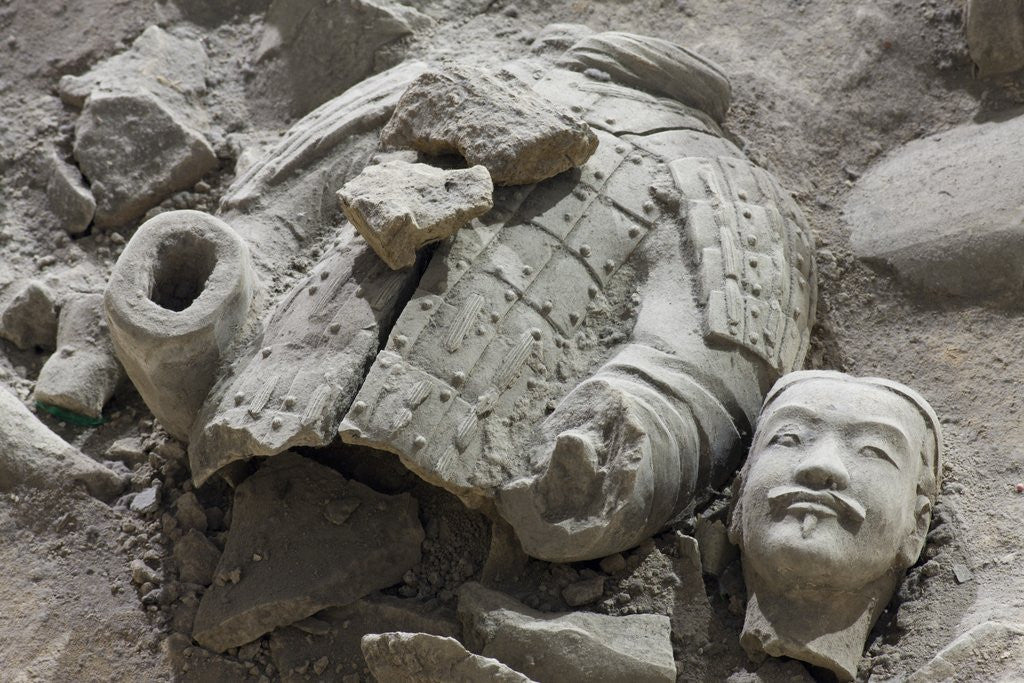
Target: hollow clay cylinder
x=176 y=299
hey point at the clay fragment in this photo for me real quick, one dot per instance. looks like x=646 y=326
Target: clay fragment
x=32 y=455
x=285 y=560
x=425 y=658
x=944 y=212
x=83 y=372
x=831 y=508
x=170 y=67
x=399 y=207
x=493 y=120
x=70 y=200
x=995 y=35
x=572 y=647
x=136 y=151
x=311 y=52
x=30 y=317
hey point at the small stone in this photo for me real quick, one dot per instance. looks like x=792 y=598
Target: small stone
x=399 y=206
x=499 y=123
x=30 y=317
x=143 y=574
x=190 y=513
x=128 y=450
x=69 y=198
x=196 y=557
x=583 y=592
x=961 y=573
x=1019 y=487
x=146 y=501
x=613 y=564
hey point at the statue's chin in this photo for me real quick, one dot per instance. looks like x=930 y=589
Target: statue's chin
x=788 y=554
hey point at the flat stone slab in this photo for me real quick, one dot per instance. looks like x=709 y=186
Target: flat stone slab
x=495 y=120
x=576 y=646
x=946 y=212
x=399 y=207
x=995 y=35
x=303 y=538
x=423 y=658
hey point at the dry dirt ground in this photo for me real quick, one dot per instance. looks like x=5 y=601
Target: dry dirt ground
x=821 y=91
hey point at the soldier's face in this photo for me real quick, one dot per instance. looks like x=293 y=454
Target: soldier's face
x=831 y=491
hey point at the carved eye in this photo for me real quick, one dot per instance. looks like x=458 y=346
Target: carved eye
x=786 y=439
x=874 y=452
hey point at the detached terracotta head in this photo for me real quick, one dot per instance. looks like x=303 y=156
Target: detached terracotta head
x=833 y=505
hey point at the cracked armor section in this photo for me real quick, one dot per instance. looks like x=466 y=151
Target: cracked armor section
x=475 y=361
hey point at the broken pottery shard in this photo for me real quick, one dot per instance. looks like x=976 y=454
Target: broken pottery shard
x=172 y=68
x=293 y=386
x=995 y=35
x=423 y=658
x=311 y=52
x=494 y=120
x=32 y=455
x=136 y=151
x=69 y=198
x=293 y=561
x=30 y=317
x=830 y=531
x=175 y=301
x=991 y=651
x=83 y=372
x=578 y=646
x=501 y=329
x=946 y=212
x=335 y=633
x=398 y=207
x=655 y=66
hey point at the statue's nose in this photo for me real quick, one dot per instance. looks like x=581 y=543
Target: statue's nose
x=822 y=466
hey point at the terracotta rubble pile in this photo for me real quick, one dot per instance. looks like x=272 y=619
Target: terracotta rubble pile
x=562 y=297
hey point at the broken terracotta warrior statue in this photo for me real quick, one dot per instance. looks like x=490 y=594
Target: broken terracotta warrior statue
x=831 y=509
x=582 y=359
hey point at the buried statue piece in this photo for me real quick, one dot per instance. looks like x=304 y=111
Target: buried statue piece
x=580 y=360
x=830 y=510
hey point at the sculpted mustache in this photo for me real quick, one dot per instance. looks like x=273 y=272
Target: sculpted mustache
x=833 y=499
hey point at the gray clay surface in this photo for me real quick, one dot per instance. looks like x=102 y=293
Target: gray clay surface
x=243 y=119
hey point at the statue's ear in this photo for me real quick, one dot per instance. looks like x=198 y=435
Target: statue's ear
x=914 y=542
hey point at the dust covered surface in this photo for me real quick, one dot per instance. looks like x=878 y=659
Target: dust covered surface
x=821 y=91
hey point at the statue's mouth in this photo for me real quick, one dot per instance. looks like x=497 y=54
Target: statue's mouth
x=820 y=503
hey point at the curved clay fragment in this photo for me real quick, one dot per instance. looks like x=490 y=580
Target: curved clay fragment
x=32 y=455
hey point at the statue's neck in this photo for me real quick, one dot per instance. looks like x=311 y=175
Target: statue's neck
x=825 y=628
